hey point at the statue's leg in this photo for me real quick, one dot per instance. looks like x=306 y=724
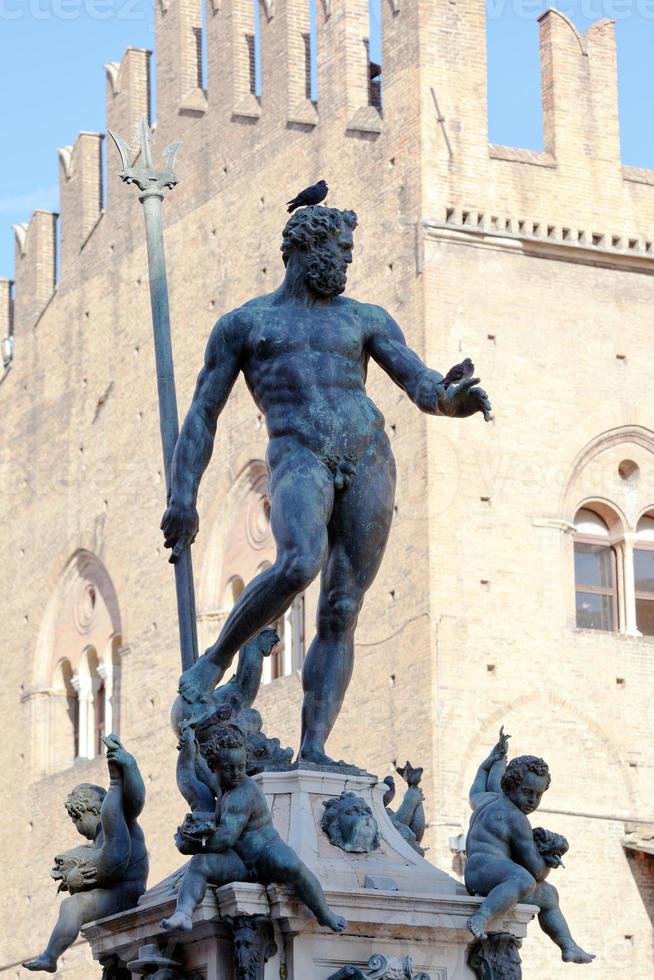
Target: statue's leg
x=74 y=911
x=203 y=869
x=279 y=863
x=358 y=532
x=502 y=882
x=301 y=500
x=553 y=923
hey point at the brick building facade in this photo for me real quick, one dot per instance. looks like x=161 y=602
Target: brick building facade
x=538 y=265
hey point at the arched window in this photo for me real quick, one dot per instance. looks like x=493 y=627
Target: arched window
x=75 y=695
x=644 y=575
x=64 y=713
x=595 y=573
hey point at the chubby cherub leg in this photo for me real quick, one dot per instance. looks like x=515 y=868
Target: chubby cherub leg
x=554 y=925
x=203 y=869
x=504 y=884
x=279 y=863
x=74 y=911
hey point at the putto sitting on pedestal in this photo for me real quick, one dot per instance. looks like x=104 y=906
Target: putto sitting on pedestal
x=238 y=841
x=109 y=875
x=508 y=862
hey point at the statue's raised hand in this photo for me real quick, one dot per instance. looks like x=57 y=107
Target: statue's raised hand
x=116 y=754
x=501 y=748
x=180 y=525
x=464 y=399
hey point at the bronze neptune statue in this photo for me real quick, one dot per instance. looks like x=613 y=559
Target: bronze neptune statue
x=304 y=351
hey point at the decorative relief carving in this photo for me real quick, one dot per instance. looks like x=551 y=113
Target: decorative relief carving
x=84 y=609
x=382 y=967
x=496 y=957
x=253 y=945
x=349 y=824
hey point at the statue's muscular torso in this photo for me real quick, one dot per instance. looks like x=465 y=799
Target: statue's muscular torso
x=306 y=369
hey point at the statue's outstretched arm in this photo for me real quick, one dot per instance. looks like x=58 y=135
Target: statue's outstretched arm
x=386 y=345
x=194 y=446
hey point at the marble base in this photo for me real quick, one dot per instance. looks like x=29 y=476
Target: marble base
x=395 y=902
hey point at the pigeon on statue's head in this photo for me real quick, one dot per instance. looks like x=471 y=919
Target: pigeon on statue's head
x=310 y=195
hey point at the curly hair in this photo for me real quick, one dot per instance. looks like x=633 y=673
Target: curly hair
x=518 y=768
x=310 y=228
x=223 y=737
x=85 y=798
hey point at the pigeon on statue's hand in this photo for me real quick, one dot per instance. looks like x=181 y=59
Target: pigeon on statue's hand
x=310 y=195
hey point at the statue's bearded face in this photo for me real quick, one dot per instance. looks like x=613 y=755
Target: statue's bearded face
x=358 y=826
x=326 y=264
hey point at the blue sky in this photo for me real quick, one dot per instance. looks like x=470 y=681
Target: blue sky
x=52 y=84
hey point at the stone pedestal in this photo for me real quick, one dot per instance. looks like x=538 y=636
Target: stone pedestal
x=396 y=903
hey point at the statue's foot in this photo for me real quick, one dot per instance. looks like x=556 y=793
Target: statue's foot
x=575 y=954
x=199 y=681
x=334 y=922
x=477 y=926
x=47 y=964
x=179 y=920
x=317 y=758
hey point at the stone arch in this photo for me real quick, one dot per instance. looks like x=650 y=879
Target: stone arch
x=604 y=448
x=77 y=651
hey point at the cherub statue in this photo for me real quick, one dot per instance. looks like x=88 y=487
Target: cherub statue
x=109 y=875
x=238 y=842
x=409 y=819
x=508 y=862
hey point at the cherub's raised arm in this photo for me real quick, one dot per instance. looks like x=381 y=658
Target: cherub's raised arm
x=190 y=782
x=386 y=344
x=133 y=787
x=490 y=772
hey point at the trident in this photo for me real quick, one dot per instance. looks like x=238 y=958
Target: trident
x=151 y=183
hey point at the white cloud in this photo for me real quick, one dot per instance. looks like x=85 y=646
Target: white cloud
x=41 y=197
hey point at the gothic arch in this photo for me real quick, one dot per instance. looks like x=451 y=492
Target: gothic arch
x=77 y=661
x=638 y=436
